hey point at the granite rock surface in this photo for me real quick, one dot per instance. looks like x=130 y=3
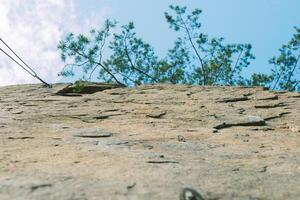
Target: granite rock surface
x=149 y=142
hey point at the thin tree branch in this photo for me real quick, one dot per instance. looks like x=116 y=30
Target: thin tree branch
x=100 y=53
x=131 y=63
x=78 y=65
x=276 y=82
x=90 y=76
x=195 y=50
x=109 y=72
x=101 y=65
x=292 y=72
x=296 y=84
x=72 y=67
x=219 y=73
x=236 y=63
x=128 y=77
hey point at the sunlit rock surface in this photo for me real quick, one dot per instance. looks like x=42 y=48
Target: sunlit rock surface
x=149 y=142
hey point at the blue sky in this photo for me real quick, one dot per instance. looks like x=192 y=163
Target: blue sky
x=266 y=24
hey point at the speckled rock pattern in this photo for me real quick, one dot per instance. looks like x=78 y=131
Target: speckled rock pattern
x=149 y=142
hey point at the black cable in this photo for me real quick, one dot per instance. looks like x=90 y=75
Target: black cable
x=17 y=62
x=28 y=70
x=17 y=56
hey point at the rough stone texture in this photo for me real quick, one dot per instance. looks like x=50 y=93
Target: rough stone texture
x=149 y=142
x=87 y=88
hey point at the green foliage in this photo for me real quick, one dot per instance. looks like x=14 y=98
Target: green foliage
x=78 y=86
x=196 y=59
x=259 y=79
x=286 y=71
x=132 y=57
x=86 y=53
x=131 y=60
x=174 y=70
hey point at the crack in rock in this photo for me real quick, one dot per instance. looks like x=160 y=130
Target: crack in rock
x=234 y=99
x=112 y=143
x=262 y=129
x=102 y=117
x=35 y=187
x=294 y=96
x=273 y=105
x=246 y=121
x=162 y=162
x=93 y=134
x=87 y=88
x=20 y=138
x=277 y=116
x=272 y=97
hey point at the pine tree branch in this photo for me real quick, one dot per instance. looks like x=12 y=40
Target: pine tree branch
x=292 y=72
x=195 y=50
x=99 y=64
x=131 y=63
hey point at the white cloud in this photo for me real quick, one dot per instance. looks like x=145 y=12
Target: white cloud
x=33 y=28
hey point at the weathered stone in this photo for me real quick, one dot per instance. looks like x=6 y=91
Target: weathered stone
x=106 y=145
x=294 y=128
x=294 y=95
x=268 y=97
x=102 y=117
x=233 y=99
x=35 y=187
x=111 y=143
x=270 y=105
x=20 y=138
x=275 y=116
x=242 y=121
x=156 y=114
x=87 y=88
x=262 y=129
x=180 y=138
x=162 y=162
x=18 y=112
x=93 y=133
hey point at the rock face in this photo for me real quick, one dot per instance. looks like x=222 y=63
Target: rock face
x=149 y=142
x=85 y=88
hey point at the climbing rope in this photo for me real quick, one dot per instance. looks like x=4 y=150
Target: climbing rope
x=28 y=69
